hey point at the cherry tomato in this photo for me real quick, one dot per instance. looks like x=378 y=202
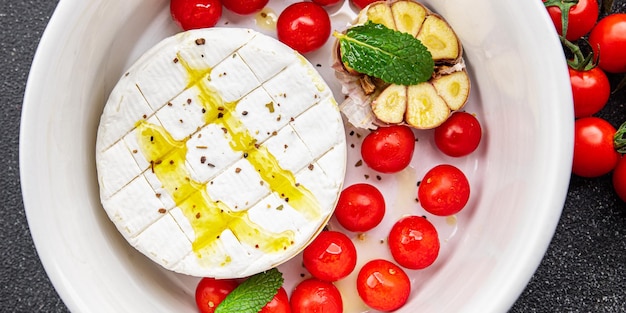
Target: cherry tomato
x=362 y=3
x=326 y=2
x=414 y=242
x=444 y=190
x=210 y=292
x=619 y=179
x=278 y=304
x=193 y=14
x=590 y=89
x=388 y=149
x=360 y=207
x=581 y=18
x=383 y=285
x=608 y=40
x=594 y=153
x=303 y=26
x=244 y=7
x=330 y=256
x=459 y=135
x=313 y=296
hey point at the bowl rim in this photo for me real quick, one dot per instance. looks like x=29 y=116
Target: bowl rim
x=66 y=11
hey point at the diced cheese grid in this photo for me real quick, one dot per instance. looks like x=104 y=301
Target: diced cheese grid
x=220 y=153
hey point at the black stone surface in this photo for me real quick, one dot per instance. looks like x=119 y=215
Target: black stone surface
x=584 y=269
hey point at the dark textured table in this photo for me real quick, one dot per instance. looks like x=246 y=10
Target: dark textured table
x=584 y=269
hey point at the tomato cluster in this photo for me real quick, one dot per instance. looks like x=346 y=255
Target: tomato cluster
x=413 y=241
x=603 y=36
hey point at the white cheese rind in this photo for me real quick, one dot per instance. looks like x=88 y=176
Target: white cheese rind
x=209 y=96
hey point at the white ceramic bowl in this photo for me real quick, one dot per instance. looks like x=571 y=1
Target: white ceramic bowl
x=519 y=174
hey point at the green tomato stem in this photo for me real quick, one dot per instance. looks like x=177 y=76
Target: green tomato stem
x=619 y=140
x=565 y=6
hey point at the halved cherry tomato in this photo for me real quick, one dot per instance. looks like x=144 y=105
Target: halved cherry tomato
x=444 y=190
x=278 y=304
x=360 y=207
x=608 y=40
x=303 y=26
x=414 y=242
x=330 y=256
x=582 y=16
x=210 y=292
x=459 y=135
x=244 y=7
x=193 y=14
x=594 y=152
x=590 y=89
x=388 y=149
x=313 y=295
x=383 y=285
x=362 y=3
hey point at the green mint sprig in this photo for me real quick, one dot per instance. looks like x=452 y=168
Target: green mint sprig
x=252 y=294
x=393 y=56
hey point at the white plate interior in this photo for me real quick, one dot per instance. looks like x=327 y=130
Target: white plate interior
x=519 y=175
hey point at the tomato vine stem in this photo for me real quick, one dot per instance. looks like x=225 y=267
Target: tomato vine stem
x=565 y=6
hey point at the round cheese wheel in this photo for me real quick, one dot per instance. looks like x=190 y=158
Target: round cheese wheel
x=220 y=153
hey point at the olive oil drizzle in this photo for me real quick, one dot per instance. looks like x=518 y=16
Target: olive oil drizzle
x=208 y=217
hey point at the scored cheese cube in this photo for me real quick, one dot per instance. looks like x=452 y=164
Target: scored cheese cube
x=292 y=91
x=315 y=180
x=221 y=153
x=162 y=79
x=132 y=215
x=132 y=142
x=232 y=78
x=259 y=114
x=183 y=115
x=265 y=63
x=164 y=235
x=120 y=166
x=271 y=209
x=320 y=130
x=290 y=151
x=201 y=49
x=238 y=177
x=209 y=152
x=127 y=107
x=332 y=163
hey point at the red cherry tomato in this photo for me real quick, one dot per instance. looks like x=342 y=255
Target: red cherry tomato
x=360 y=207
x=244 y=7
x=414 y=242
x=619 y=179
x=313 y=296
x=193 y=14
x=459 y=135
x=608 y=40
x=582 y=16
x=590 y=89
x=388 y=149
x=210 y=292
x=326 y=2
x=278 y=304
x=383 y=285
x=330 y=256
x=303 y=26
x=594 y=152
x=444 y=190
x=362 y=3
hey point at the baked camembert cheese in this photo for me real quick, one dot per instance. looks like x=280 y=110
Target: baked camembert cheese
x=220 y=153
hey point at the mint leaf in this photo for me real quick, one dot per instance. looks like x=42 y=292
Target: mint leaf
x=393 y=56
x=253 y=294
